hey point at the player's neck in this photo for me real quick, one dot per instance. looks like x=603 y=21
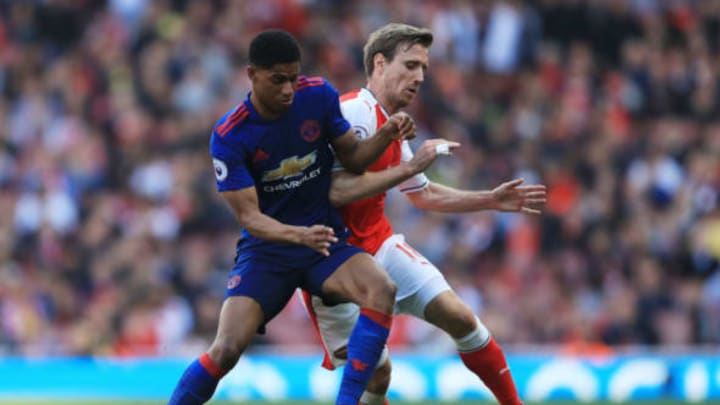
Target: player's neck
x=262 y=110
x=382 y=98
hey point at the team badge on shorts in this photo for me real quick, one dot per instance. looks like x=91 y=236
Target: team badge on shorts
x=234 y=281
x=310 y=130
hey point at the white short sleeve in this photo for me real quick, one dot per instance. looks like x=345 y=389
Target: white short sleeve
x=360 y=115
x=416 y=182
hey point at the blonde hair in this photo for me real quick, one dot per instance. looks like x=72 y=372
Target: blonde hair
x=388 y=38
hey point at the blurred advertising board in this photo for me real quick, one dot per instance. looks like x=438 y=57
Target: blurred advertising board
x=686 y=378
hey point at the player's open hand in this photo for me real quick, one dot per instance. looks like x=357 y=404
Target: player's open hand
x=512 y=196
x=429 y=151
x=399 y=126
x=319 y=238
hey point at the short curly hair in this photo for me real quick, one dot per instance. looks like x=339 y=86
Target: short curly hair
x=272 y=47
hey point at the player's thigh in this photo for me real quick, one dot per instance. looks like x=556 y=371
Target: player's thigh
x=268 y=284
x=360 y=279
x=409 y=269
x=235 y=333
x=350 y=274
x=418 y=281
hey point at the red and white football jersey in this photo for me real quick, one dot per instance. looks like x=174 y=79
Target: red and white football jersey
x=366 y=218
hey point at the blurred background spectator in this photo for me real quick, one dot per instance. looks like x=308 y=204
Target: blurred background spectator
x=113 y=240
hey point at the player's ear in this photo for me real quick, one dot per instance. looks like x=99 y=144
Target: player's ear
x=379 y=61
x=251 y=72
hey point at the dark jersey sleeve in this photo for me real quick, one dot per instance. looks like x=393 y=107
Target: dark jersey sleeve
x=229 y=162
x=336 y=123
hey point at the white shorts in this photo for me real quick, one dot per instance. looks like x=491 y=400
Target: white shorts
x=418 y=282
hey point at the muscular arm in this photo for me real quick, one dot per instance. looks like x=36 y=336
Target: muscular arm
x=244 y=203
x=510 y=196
x=357 y=154
x=348 y=187
x=436 y=197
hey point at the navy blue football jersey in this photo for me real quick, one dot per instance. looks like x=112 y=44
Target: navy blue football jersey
x=288 y=160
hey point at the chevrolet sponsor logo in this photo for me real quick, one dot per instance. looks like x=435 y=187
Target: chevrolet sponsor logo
x=290 y=167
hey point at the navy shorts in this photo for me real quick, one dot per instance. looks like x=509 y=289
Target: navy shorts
x=272 y=282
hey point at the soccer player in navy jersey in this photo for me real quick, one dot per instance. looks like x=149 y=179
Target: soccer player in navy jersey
x=272 y=157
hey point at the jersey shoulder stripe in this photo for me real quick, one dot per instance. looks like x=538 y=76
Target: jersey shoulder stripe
x=350 y=96
x=233 y=120
x=305 y=79
x=358 y=103
x=305 y=86
x=305 y=82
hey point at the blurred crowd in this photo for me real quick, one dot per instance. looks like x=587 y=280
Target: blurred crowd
x=114 y=241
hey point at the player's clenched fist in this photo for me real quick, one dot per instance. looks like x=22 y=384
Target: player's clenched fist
x=429 y=150
x=398 y=126
x=319 y=238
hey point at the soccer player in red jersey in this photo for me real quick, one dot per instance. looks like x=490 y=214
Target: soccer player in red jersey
x=396 y=58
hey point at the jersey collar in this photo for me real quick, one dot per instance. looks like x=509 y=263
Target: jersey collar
x=255 y=116
x=370 y=94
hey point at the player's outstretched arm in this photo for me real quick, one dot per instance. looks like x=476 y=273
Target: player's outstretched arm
x=510 y=196
x=244 y=203
x=357 y=154
x=348 y=187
